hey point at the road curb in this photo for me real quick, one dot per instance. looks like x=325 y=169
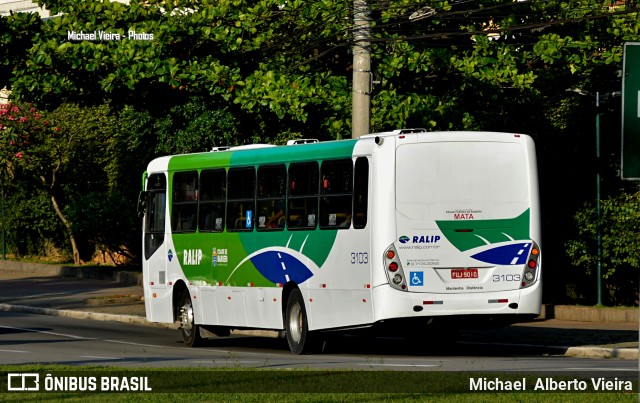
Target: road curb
x=586 y=352
x=135 y=319
x=109 y=273
x=601 y=352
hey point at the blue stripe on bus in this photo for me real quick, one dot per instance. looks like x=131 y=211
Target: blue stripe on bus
x=280 y=267
x=513 y=254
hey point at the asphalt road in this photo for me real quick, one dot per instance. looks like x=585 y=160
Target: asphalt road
x=22 y=293
x=38 y=339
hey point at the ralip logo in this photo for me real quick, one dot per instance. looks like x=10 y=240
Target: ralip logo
x=403 y=239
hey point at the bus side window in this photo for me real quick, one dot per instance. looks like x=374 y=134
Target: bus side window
x=360 y=192
x=184 y=202
x=336 y=193
x=241 y=188
x=271 y=197
x=302 y=210
x=212 y=200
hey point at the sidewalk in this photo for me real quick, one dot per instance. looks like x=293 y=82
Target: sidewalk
x=34 y=290
x=24 y=291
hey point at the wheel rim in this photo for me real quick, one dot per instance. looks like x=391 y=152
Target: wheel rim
x=296 y=323
x=186 y=317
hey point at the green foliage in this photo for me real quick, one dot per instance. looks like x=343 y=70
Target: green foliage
x=84 y=166
x=30 y=225
x=195 y=126
x=104 y=222
x=68 y=155
x=237 y=71
x=20 y=125
x=18 y=32
x=289 y=61
x=29 y=222
x=620 y=263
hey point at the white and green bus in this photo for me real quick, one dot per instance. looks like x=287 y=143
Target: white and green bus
x=392 y=230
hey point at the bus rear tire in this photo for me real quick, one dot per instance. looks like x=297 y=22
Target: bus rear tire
x=188 y=329
x=299 y=338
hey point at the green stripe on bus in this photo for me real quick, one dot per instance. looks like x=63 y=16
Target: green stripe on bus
x=469 y=234
x=310 y=152
x=228 y=268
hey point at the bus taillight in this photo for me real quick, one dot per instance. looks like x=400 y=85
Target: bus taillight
x=394 y=271
x=530 y=271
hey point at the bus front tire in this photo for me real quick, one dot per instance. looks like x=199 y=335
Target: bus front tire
x=188 y=329
x=299 y=338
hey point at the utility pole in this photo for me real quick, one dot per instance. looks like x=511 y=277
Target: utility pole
x=361 y=92
x=598 y=211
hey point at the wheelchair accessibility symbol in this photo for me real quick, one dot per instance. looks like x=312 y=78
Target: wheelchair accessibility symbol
x=416 y=278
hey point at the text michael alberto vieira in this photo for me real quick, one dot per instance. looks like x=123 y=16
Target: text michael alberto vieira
x=108 y=36
x=550 y=384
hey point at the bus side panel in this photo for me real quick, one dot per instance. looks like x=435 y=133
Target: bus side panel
x=339 y=294
x=531 y=297
x=160 y=307
x=157 y=294
x=264 y=307
x=231 y=307
x=150 y=275
x=382 y=219
x=534 y=194
x=205 y=310
x=163 y=273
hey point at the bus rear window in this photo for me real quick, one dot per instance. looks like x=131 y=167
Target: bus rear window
x=434 y=180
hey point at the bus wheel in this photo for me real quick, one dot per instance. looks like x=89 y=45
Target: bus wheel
x=189 y=330
x=300 y=339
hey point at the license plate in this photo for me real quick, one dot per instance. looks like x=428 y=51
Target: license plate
x=464 y=273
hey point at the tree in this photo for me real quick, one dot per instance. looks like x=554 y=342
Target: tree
x=620 y=240
x=25 y=222
x=195 y=126
x=18 y=33
x=290 y=60
x=204 y=48
x=272 y=68
x=63 y=153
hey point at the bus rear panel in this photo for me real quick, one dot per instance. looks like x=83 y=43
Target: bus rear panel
x=467 y=229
